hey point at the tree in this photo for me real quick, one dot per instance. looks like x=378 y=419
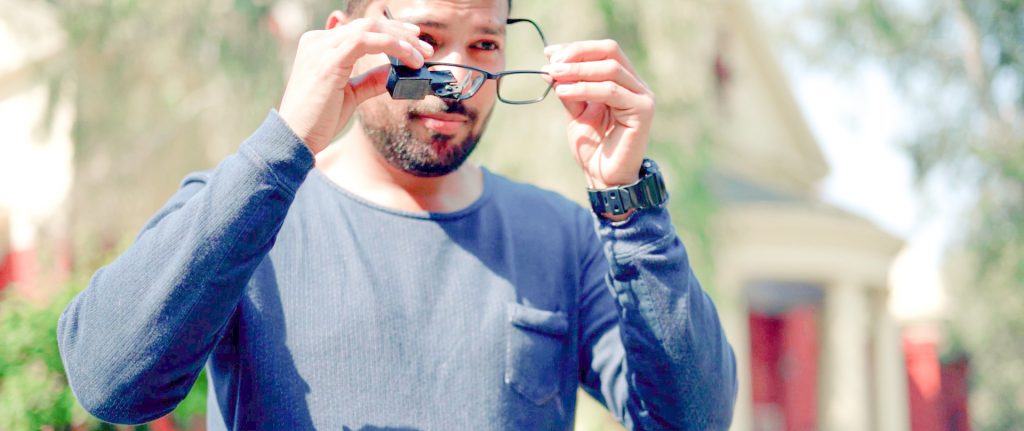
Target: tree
x=960 y=63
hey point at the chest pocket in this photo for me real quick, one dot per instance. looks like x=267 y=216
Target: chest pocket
x=535 y=352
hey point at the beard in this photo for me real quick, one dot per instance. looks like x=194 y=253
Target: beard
x=439 y=155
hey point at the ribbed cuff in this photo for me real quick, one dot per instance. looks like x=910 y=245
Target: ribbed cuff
x=280 y=151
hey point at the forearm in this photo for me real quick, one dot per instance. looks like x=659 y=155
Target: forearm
x=681 y=367
x=134 y=340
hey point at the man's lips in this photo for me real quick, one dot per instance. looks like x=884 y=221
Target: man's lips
x=443 y=123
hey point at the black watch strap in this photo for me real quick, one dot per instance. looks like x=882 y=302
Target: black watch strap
x=648 y=192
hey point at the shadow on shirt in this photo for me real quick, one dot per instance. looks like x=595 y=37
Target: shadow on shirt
x=266 y=344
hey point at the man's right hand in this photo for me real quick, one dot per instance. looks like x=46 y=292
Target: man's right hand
x=322 y=94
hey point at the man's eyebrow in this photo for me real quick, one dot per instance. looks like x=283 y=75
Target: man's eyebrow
x=493 y=30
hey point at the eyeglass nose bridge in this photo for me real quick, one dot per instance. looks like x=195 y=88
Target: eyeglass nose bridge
x=473 y=84
x=447 y=85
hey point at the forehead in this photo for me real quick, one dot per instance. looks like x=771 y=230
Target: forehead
x=491 y=13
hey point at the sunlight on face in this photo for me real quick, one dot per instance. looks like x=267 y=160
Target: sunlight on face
x=433 y=137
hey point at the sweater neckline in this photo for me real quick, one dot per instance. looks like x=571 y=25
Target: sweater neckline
x=422 y=215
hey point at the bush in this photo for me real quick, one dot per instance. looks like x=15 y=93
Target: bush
x=34 y=391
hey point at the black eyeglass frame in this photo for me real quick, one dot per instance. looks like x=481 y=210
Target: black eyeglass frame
x=463 y=94
x=440 y=83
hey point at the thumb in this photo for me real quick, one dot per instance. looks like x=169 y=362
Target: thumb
x=369 y=84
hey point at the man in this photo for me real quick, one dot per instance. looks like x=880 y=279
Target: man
x=394 y=286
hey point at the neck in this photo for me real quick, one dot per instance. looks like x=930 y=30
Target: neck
x=353 y=163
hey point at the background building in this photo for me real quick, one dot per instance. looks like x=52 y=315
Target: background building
x=805 y=289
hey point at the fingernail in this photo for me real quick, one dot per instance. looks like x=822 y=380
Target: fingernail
x=411 y=26
x=559 y=57
x=563 y=89
x=548 y=50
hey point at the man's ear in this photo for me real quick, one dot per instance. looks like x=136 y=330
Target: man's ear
x=335 y=19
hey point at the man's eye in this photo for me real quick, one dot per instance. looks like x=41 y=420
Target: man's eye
x=486 y=45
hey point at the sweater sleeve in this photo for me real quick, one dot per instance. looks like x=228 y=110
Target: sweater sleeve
x=657 y=354
x=134 y=341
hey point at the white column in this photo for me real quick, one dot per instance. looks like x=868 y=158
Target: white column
x=735 y=315
x=891 y=397
x=736 y=321
x=844 y=372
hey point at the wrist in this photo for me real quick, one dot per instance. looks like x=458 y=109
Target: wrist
x=618 y=201
x=618 y=217
x=607 y=183
x=300 y=130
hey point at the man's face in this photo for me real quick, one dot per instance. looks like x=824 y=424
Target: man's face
x=434 y=136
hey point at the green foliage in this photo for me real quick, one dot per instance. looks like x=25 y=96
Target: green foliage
x=961 y=64
x=194 y=404
x=34 y=391
x=33 y=388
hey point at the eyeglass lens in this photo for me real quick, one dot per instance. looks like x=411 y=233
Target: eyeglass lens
x=520 y=84
x=523 y=87
x=524 y=49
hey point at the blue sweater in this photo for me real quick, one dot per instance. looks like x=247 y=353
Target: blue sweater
x=313 y=308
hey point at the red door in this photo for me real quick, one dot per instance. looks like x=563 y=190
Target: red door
x=784 y=361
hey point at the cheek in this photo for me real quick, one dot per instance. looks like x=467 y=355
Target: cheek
x=483 y=114
x=382 y=110
x=487 y=95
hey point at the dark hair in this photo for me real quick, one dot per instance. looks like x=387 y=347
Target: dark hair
x=358 y=7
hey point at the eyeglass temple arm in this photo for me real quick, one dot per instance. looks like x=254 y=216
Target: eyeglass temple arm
x=541 y=33
x=544 y=40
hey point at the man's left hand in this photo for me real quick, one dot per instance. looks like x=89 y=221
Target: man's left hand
x=610 y=109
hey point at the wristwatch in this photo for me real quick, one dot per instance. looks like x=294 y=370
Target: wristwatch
x=647 y=192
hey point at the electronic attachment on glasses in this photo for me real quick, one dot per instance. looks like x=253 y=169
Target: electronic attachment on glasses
x=407 y=83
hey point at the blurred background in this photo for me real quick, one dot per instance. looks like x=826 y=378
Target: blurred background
x=848 y=176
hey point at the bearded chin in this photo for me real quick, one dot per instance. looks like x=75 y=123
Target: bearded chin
x=437 y=156
x=434 y=158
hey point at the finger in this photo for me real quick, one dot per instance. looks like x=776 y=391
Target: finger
x=595 y=71
x=573 y=107
x=591 y=50
x=398 y=29
x=354 y=48
x=607 y=92
x=551 y=49
x=368 y=84
x=589 y=130
x=362 y=87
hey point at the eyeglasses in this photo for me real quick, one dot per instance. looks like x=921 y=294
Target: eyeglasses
x=515 y=87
